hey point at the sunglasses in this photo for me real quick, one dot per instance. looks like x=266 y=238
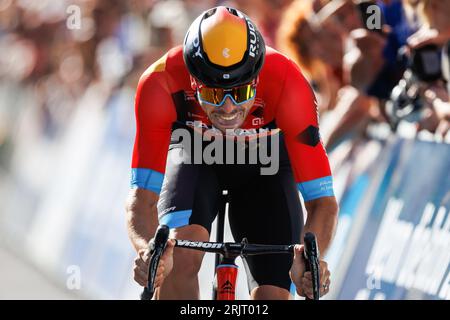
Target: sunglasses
x=216 y=96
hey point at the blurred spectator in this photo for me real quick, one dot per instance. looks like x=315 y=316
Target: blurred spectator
x=354 y=69
x=436 y=25
x=371 y=64
x=434 y=31
x=267 y=14
x=437 y=101
x=436 y=116
x=340 y=58
x=318 y=51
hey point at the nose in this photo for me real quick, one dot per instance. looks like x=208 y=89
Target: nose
x=228 y=106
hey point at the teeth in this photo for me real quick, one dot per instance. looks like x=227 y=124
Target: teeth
x=228 y=118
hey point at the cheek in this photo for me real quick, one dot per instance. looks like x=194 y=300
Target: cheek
x=247 y=108
x=206 y=108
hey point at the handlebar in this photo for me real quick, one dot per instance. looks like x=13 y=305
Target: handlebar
x=229 y=250
x=233 y=250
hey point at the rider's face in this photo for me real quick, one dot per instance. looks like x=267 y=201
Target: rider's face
x=228 y=116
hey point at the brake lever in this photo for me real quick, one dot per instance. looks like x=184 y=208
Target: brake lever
x=157 y=245
x=311 y=254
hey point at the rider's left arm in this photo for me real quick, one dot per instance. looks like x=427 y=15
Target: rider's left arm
x=322 y=220
x=297 y=117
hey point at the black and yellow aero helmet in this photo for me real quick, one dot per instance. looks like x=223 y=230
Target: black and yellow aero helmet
x=223 y=48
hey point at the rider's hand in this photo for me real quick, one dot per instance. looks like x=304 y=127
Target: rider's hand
x=141 y=264
x=303 y=279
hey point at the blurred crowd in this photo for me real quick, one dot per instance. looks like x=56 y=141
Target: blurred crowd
x=50 y=60
x=366 y=75
x=58 y=53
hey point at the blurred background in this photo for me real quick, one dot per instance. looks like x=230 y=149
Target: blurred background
x=68 y=73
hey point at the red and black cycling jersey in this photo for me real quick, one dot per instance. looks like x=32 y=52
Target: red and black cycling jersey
x=284 y=97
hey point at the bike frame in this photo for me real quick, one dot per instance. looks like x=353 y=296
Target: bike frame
x=226 y=280
x=225 y=271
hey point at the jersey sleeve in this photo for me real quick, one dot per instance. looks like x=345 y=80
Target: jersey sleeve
x=155 y=114
x=297 y=117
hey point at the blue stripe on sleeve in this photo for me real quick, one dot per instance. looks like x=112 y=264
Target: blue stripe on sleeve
x=176 y=219
x=146 y=179
x=317 y=188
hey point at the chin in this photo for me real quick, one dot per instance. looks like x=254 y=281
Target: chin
x=225 y=128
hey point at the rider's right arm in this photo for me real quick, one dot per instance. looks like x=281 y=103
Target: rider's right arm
x=142 y=217
x=155 y=114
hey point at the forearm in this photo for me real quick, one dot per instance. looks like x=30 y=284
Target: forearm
x=322 y=221
x=142 y=219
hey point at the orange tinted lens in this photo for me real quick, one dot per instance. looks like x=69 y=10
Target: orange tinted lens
x=211 y=95
x=243 y=93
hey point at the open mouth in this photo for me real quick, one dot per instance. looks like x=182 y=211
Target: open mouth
x=228 y=117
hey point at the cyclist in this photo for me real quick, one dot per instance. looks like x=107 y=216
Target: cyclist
x=224 y=78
